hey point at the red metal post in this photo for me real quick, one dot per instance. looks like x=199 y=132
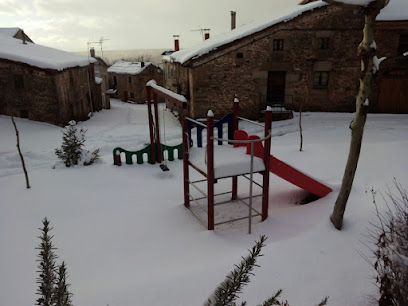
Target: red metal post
x=185 y=155
x=210 y=169
x=235 y=114
x=267 y=152
x=151 y=123
x=118 y=160
x=156 y=119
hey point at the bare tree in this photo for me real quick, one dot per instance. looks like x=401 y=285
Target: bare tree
x=21 y=154
x=367 y=53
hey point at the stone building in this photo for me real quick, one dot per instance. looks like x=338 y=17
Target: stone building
x=129 y=79
x=305 y=55
x=45 y=84
x=101 y=79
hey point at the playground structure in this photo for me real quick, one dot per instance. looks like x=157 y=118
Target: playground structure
x=155 y=150
x=242 y=156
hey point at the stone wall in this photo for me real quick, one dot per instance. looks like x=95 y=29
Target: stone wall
x=46 y=95
x=101 y=71
x=241 y=68
x=132 y=87
x=219 y=79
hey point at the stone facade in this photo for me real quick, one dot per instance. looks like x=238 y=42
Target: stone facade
x=312 y=58
x=131 y=87
x=48 y=95
x=101 y=72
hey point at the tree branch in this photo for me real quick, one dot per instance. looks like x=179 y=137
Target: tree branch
x=19 y=152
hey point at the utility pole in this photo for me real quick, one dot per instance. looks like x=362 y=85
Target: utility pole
x=205 y=33
x=99 y=42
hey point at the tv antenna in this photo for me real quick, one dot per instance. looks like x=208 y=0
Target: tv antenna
x=203 y=32
x=98 y=42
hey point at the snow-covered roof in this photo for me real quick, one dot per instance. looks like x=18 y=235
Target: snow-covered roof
x=395 y=10
x=123 y=67
x=39 y=56
x=215 y=42
x=9 y=31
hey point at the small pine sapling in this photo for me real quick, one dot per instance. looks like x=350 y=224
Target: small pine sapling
x=71 y=151
x=62 y=294
x=53 y=287
x=227 y=292
x=47 y=268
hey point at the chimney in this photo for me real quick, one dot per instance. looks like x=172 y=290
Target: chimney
x=233 y=19
x=24 y=38
x=92 y=51
x=207 y=34
x=176 y=42
x=142 y=64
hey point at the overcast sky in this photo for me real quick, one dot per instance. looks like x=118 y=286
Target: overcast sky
x=128 y=24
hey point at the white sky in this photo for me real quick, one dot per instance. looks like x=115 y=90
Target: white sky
x=128 y=24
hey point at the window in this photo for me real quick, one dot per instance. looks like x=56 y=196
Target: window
x=240 y=55
x=132 y=95
x=278 y=44
x=18 y=81
x=324 y=43
x=115 y=81
x=321 y=80
x=130 y=80
x=403 y=44
x=24 y=113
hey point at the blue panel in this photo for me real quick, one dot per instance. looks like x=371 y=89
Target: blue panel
x=200 y=136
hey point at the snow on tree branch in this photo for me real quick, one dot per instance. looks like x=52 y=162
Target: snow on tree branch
x=376 y=62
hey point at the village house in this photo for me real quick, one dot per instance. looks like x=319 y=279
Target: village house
x=45 y=84
x=305 y=55
x=102 y=78
x=129 y=79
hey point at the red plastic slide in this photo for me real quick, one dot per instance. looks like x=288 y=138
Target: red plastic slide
x=282 y=169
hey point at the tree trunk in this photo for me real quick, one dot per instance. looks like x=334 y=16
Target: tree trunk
x=366 y=51
x=21 y=155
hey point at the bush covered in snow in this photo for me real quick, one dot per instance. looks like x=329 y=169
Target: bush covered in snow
x=71 y=151
x=390 y=240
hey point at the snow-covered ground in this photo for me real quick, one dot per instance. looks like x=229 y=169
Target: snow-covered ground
x=128 y=240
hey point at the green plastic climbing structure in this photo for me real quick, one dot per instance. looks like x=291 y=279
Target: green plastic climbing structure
x=171 y=150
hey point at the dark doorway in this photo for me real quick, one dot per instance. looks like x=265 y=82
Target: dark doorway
x=275 y=93
x=125 y=96
x=393 y=96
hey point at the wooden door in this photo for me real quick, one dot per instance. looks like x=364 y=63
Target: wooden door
x=393 y=96
x=276 y=87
